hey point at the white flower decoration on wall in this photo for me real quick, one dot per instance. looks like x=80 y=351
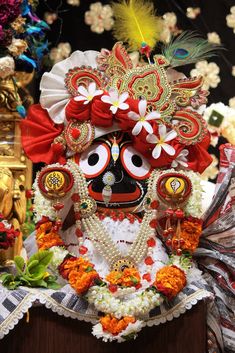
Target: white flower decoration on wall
x=213 y=37
x=142 y=118
x=161 y=142
x=73 y=2
x=88 y=94
x=232 y=102
x=231 y=18
x=210 y=73
x=100 y=17
x=61 y=52
x=116 y=101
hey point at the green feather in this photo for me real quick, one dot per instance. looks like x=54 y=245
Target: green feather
x=189 y=48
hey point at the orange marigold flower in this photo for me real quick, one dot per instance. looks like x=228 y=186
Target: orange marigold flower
x=46 y=237
x=114 y=277
x=82 y=281
x=129 y=277
x=170 y=280
x=190 y=233
x=114 y=325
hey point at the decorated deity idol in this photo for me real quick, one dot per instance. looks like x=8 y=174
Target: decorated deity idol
x=120 y=200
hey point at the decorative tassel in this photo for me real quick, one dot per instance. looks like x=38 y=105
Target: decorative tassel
x=189 y=48
x=136 y=24
x=27 y=316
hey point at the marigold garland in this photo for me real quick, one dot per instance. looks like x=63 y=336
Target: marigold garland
x=79 y=272
x=46 y=237
x=170 y=280
x=114 y=325
x=130 y=277
x=191 y=231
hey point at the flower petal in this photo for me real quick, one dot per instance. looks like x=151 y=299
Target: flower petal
x=123 y=97
x=133 y=116
x=184 y=153
x=137 y=128
x=123 y=106
x=83 y=91
x=147 y=127
x=79 y=98
x=168 y=149
x=106 y=99
x=142 y=107
x=113 y=109
x=183 y=163
x=92 y=88
x=162 y=131
x=174 y=163
x=156 y=151
x=152 y=138
x=153 y=115
x=97 y=93
x=113 y=94
x=170 y=135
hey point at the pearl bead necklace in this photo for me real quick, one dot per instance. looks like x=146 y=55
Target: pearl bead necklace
x=97 y=232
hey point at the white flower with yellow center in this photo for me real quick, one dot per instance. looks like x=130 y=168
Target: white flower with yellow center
x=142 y=118
x=161 y=142
x=88 y=94
x=116 y=101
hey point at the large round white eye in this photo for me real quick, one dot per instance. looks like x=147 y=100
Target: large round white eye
x=94 y=160
x=135 y=163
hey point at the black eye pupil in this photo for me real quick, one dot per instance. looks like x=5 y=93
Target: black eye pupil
x=136 y=160
x=93 y=159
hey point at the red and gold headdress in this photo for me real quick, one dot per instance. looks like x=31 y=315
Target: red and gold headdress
x=93 y=93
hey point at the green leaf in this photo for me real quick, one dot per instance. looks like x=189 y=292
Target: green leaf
x=44 y=257
x=4 y=276
x=53 y=285
x=89 y=269
x=32 y=266
x=13 y=284
x=40 y=283
x=38 y=273
x=20 y=264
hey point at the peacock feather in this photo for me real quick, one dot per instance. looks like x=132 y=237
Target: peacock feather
x=136 y=23
x=188 y=48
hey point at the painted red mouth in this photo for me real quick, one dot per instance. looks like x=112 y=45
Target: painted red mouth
x=122 y=197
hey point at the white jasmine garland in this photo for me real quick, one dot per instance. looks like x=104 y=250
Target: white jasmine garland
x=139 y=305
x=42 y=206
x=59 y=253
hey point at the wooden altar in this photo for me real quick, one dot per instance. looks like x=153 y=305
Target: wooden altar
x=47 y=332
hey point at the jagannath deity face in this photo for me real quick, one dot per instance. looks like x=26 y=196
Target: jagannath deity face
x=116 y=173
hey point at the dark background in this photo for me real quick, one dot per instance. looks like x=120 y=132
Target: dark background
x=70 y=27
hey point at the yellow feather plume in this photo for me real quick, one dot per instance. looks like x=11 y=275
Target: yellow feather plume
x=135 y=23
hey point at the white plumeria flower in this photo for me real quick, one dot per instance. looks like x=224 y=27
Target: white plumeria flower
x=88 y=94
x=117 y=102
x=142 y=119
x=181 y=159
x=161 y=142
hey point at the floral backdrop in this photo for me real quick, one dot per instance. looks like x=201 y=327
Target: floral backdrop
x=85 y=24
